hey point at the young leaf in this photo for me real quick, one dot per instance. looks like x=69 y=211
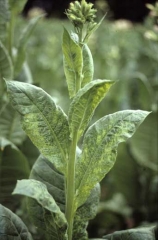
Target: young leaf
x=100 y=148
x=88 y=67
x=84 y=103
x=44 y=122
x=21 y=50
x=144 y=233
x=11 y=226
x=38 y=191
x=6 y=68
x=13 y=165
x=73 y=63
x=4 y=18
x=10 y=125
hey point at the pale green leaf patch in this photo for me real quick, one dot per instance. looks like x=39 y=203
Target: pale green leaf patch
x=73 y=63
x=38 y=191
x=100 y=149
x=84 y=103
x=43 y=121
x=6 y=67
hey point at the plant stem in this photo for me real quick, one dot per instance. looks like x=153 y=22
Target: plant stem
x=71 y=186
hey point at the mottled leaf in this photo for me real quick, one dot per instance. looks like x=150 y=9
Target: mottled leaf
x=44 y=171
x=12 y=227
x=100 y=148
x=73 y=62
x=88 y=67
x=21 y=50
x=10 y=125
x=43 y=121
x=133 y=234
x=84 y=103
x=13 y=166
x=38 y=191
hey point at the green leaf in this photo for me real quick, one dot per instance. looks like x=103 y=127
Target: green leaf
x=84 y=103
x=13 y=166
x=10 y=125
x=73 y=63
x=17 y=5
x=88 y=67
x=21 y=50
x=44 y=171
x=38 y=191
x=4 y=18
x=43 y=121
x=100 y=148
x=6 y=68
x=144 y=143
x=11 y=226
x=133 y=234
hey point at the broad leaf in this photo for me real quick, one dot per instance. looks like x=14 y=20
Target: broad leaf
x=12 y=227
x=133 y=234
x=10 y=125
x=84 y=103
x=38 y=191
x=13 y=166
x=21 y=50
x=88 y=67
x=6 y=68
x=44 y=171
x=17 y=5
x=100 y=148
x=4 y=18
x=73 y=62
x=44 y=122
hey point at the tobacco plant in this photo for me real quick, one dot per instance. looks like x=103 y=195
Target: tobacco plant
x=63 y=189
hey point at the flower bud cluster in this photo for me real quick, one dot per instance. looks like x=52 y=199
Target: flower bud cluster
x=81 y=13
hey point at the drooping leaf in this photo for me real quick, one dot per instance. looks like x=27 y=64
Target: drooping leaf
x=73 y=62
x=10 y=127
x=88 y=67
x=44 y=171
x=21 y=50
x=13 y=166
x=43 y=121
x=12 y=227
x=84 y=103
x=100 y=148
x=145 y=141
x=6 y=68
x=4 y=18
x=133 y=234
x=38 y=191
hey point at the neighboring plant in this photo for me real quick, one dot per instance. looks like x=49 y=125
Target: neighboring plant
x=64 y=182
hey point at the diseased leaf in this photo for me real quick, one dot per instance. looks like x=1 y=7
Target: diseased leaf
x=88 y=67
x=73 y=62
x=38 y=191
x=44 y=171
x=84 y=103
x=13 y=166
x=100 y=148
x=12 y=227
x=133 y=234
x=10 y=127
x=6 y=68
x=21 y=50
x=43 y=121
